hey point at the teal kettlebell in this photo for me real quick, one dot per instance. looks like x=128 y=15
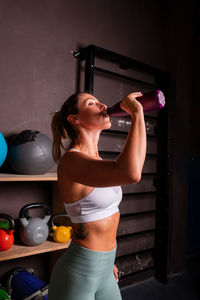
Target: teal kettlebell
x=34 y=231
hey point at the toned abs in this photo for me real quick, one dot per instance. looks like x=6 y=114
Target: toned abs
x=97 y=235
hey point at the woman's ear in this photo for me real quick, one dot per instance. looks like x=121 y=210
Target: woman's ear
x=73 y=119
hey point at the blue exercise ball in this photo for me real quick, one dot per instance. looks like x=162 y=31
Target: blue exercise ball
x=3 y=149
x=30 y=153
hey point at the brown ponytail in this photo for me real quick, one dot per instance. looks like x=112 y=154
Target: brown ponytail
x=59 y=135
x=62 y=128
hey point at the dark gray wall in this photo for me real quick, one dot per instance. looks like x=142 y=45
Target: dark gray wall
x=38 y=70
x=183 y=123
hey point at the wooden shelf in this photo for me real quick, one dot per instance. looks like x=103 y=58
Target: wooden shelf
x=17 y=177
x=17 y=251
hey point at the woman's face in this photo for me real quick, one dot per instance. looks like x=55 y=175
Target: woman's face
x=91 y=113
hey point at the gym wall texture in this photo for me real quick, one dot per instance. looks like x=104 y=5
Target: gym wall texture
x=38 y=72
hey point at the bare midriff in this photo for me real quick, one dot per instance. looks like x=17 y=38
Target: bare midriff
x=97 y=235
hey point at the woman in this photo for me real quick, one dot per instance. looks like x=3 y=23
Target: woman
x=91 y=192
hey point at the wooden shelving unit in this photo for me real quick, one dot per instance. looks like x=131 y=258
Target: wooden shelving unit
x=17 y=251
x=17 y=177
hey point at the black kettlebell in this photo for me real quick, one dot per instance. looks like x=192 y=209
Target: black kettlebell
x=34 y=231
x=6 y=235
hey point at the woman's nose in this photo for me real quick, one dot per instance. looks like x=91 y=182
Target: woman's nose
x=103 y=106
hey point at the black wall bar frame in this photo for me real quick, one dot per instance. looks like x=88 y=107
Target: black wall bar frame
x=161 y=179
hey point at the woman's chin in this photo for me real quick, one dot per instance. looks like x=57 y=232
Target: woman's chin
x=108 y=125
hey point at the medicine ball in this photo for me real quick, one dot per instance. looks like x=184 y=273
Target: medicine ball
x=30 y=152
x=3 y=149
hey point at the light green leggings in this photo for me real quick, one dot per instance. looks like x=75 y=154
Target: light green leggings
x=84 y=274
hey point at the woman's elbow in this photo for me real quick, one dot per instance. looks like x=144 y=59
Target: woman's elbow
x=134 y=178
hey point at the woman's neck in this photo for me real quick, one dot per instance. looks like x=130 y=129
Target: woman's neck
x=87 y=143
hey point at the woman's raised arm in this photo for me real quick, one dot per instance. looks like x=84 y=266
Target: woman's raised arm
x=81 y=168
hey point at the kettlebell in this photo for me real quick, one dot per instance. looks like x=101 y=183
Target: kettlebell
x=6 y=235
x=5 y=224
x=34 y=231
x=3 y=293
x=61 y=234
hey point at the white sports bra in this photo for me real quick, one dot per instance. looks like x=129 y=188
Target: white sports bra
x=98 y=204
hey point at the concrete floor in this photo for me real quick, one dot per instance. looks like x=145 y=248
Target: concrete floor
x=179 y=287
x=185 y=286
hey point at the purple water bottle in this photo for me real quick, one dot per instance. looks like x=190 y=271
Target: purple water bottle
x=150 y=101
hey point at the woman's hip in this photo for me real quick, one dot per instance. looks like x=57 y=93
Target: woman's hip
x=86 y=261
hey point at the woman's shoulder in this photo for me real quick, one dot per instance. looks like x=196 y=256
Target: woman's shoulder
x=64 y=168
x=67 y=161
x=69 y=154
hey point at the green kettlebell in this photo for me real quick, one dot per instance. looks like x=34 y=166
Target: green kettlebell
x=34 y=231
x=3 y=294
x=61 y=234
x=4 y=224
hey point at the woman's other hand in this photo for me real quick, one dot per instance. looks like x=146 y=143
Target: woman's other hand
x=115 y=271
